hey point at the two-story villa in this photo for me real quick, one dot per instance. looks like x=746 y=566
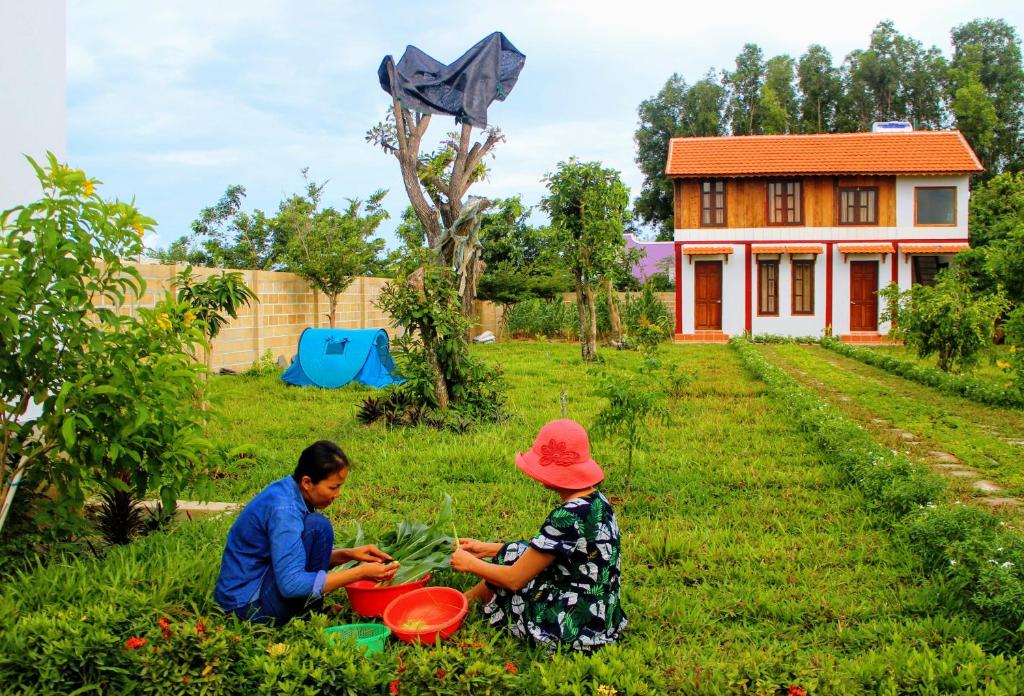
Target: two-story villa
x=794 y=234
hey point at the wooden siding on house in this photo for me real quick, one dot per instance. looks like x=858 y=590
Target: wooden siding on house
x=746 y=201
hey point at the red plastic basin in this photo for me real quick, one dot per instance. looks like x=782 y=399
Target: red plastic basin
x=369 y=600
x=424 y=615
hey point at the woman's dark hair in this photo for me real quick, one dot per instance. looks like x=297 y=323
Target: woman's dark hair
x=320 y=460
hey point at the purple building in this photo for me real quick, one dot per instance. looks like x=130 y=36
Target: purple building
x=660 y=258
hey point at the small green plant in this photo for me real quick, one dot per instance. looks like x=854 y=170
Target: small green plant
x=677 y=380
x=262 y=366
x=211 y=299
x=633 y=404
x=433 y=352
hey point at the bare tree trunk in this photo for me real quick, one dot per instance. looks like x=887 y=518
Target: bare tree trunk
x=613 y=310
x=332 y=302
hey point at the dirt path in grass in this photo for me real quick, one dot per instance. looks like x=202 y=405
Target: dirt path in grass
x=979 y=448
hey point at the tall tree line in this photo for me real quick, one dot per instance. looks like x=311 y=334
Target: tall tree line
x=978 y=89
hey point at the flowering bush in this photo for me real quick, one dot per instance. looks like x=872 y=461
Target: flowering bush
x=117 y=394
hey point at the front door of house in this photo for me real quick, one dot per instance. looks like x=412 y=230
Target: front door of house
x=863 y=297
x=708 y=295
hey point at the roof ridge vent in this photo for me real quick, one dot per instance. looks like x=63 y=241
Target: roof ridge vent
x=892 y=127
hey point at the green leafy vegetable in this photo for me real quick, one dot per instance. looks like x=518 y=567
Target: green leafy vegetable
x=420 y=548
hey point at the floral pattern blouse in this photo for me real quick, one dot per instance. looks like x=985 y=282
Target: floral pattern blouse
x=574 y=602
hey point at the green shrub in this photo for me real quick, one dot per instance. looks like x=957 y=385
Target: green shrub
x=979 y=390
x=944 y=319
x=119 y=396
x=263 y=365
x=549 y=318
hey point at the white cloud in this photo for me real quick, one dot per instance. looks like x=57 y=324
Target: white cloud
x=172 y=102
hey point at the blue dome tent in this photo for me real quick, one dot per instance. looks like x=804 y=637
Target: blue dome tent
x=332 y=358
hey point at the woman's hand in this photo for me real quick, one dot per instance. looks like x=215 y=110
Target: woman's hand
x=378 y=572
x=480 y=549
x=463 y=561
x=367 y=554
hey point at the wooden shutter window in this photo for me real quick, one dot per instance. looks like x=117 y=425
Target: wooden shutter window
x=785 y=203
x=858 y=206
x=768 y=288
x=803 y=287
x=712 y=203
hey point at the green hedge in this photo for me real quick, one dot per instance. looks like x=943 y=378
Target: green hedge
x=979 y=390
x=973 y=555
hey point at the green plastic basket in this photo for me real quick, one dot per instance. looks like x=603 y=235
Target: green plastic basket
x=370 y=637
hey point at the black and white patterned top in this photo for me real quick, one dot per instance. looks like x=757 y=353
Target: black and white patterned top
x=575 y=600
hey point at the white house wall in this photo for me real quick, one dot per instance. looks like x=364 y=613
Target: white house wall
x=33 y=112
x=786 y=324
x=905 y=186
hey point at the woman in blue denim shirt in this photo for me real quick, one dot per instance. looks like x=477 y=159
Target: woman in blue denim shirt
x=279 y=549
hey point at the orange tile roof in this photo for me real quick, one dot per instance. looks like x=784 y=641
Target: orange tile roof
x=915 y=152
x=705 y=250
x=934 y=248
x=865 y=249
x=787 y=248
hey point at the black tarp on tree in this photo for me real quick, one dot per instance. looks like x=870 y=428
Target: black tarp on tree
x=464 y=89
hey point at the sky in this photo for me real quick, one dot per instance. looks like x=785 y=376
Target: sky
x=169 y=103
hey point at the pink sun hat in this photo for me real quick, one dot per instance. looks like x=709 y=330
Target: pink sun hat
x=560 y=457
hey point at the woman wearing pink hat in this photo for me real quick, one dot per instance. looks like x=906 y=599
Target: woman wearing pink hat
x=562 y=586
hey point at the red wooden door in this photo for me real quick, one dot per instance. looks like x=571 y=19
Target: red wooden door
x=863 y=300
x=708 y=295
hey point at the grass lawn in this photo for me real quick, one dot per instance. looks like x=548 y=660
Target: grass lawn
x=747 y=565
x=985 y=369
x=987 y=439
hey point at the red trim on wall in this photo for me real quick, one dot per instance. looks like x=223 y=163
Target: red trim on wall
x=748 y=321
x=679 y=287
x=896 y=263
x=828 y=286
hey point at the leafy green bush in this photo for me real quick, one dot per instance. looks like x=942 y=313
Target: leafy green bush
x=946 y=319
x=645 y=318
x=1014 y=328
x=980 y=564
x=433 y=351
x=549 y=318
x=263 y=365
x=979 y=390
x=119 y=394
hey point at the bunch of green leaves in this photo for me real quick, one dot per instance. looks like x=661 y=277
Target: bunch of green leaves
x=433 y=353
x=1014 y=328
x=945 y=319
x=634 y=403
x=115 y=392
x=263 y=365
x=421 y=548
x=214 y=297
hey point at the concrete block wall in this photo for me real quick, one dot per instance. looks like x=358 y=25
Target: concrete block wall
x=287 y=306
